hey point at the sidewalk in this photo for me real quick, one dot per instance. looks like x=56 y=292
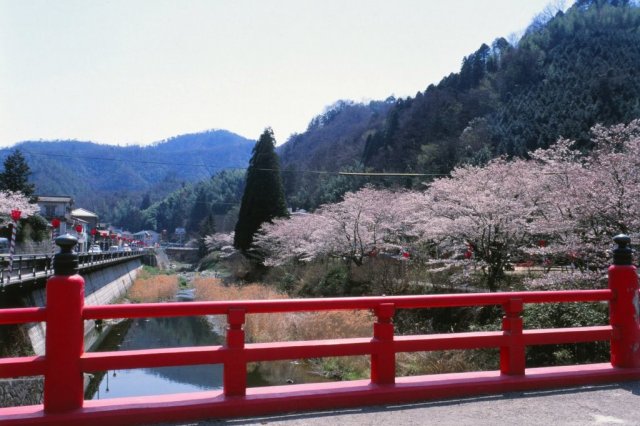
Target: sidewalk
x=614 y=404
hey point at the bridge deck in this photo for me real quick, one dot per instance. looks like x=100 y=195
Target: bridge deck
x=615 y=403
x=31 y=268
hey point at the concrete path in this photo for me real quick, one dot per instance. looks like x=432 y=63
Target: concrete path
x=616 y=404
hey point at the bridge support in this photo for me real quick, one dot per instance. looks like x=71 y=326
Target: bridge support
x=512 y=356
x=235 y=366
x=383 y=360
x=624 y=308
x=63 y=385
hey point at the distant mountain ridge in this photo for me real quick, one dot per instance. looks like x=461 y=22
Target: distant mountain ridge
x=569 y=71
x=96 y=174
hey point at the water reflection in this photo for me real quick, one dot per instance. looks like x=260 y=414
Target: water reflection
x=179 y=332
x=157 y=333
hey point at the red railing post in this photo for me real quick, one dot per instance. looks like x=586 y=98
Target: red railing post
x=512 y=355
x=623 y=309
x=383 y=358
x=64 y=344
x=235 y=366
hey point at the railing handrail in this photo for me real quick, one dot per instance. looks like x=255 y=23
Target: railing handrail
x=343 y=303
x=65 y=360
x=175 y=309
x=39 y=266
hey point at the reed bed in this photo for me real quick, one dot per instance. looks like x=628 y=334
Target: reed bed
x=329 y=325
x=295 y=326
x=149 y=288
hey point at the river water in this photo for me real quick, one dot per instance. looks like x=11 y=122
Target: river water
x=179 y=332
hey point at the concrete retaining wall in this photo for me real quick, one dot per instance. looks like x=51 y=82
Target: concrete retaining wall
x=102 y=287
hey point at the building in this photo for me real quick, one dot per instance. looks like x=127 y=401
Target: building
x=57 y=207
x=149 y=238
x=83 y=222
x=86 y=216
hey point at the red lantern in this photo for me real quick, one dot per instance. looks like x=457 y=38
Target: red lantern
x=55 y=222
x=15 y=215
x=78 y=228
x=94 y=231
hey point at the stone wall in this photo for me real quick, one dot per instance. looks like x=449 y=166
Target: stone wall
x=23 y=391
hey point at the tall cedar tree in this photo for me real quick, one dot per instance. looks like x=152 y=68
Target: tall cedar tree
x=15 y=176
x=207 y=227
x=263 y=198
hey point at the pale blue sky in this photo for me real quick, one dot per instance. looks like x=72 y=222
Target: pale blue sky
x=138 y=71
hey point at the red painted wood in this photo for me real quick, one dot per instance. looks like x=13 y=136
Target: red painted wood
x=151 y=358
x=21 y=366
x=234 y=374
x=277 y=399
x=147 y=310
x=64 y=344
x=65 y=361
x=440 y=342
x=624 y=316
x=383 y=356
x=307 y=349
x=552 y=336
x=22 y=315
x=512 y=352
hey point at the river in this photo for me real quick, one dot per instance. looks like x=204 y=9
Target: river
x=152 y=333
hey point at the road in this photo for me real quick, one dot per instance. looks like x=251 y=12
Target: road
x=614 y=404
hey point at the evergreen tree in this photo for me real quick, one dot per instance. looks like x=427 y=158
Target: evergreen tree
x=263 y=198
x=207 y=227
x=146 y=202
x=200 y=210
x=15 y=176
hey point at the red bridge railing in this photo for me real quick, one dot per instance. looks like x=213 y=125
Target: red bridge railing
x=65 y=361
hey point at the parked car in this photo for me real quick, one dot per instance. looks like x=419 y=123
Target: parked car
x=114 y=249
x=95 y=249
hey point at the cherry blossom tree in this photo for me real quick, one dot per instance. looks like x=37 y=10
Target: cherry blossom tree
x=364 y=223
x=591 y=197
x=559 y=204
x=15 y=201
x=490 y=209
x=219 y=241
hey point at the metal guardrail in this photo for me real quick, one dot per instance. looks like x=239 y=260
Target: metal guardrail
x=32 y=267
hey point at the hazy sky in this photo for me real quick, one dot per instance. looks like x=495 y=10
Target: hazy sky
x=127 y=71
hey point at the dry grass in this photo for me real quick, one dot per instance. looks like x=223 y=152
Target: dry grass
x=294 y=326
x=153 y=288
x=327 y=325
x=438 y=362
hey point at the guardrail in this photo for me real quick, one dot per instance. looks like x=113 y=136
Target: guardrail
x=39 y=266
x=65 y=362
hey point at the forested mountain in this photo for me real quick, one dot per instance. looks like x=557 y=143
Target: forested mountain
x=334 y=140
x=567 y=73
x=189 y=206
x=102 y=176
